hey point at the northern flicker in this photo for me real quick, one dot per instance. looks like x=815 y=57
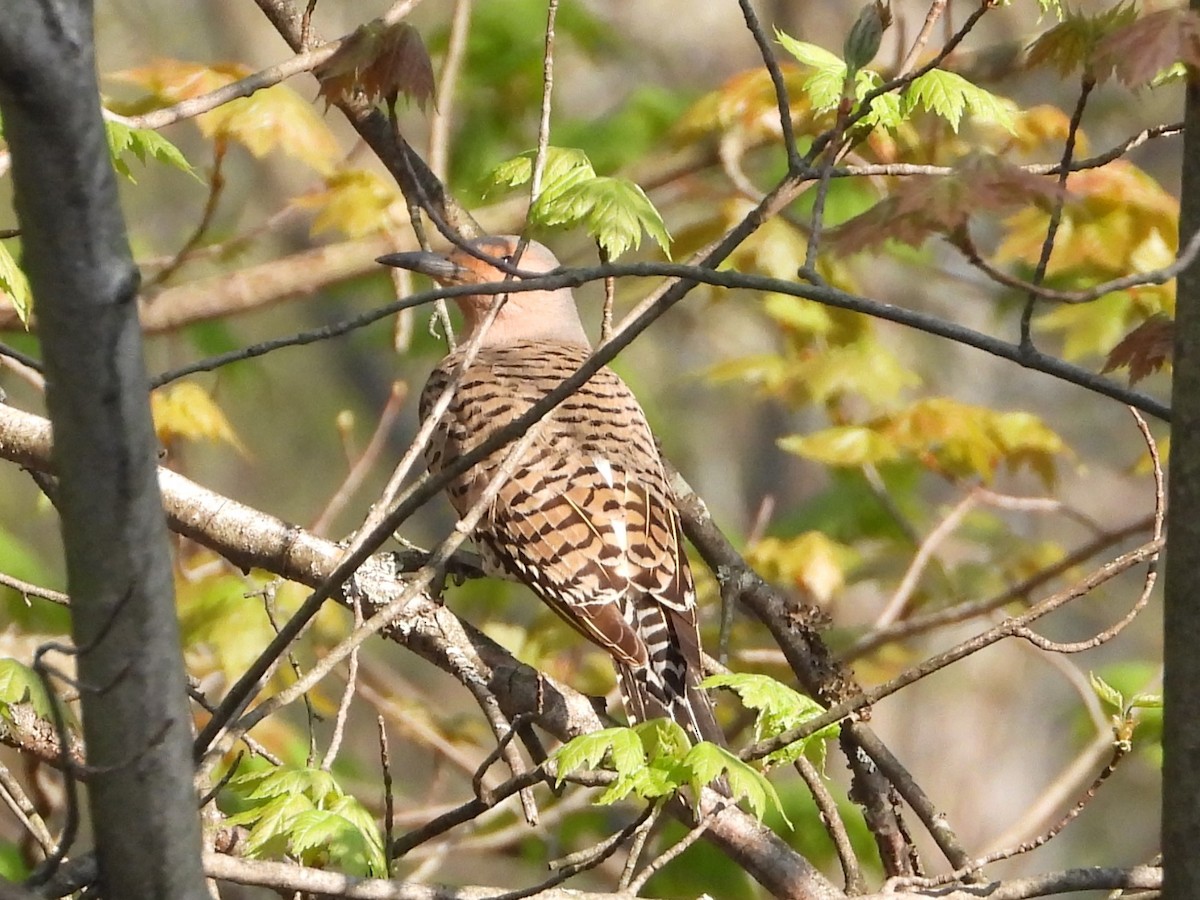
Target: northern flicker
x=587 y=520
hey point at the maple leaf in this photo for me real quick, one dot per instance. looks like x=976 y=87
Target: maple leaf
x=269 y=120
x=1139 y=51
x=942 y=204
x=1072 y=43
x=1145 y=349
x=382 y=61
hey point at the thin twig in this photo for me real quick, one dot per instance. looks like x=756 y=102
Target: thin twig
x=1039 y=275
x=442 y=119
x=22 y=807
x=610 y=296
x=936 y=8
x=1120 y=750
x=672 y=853
x=964 y=611
x=1008 y=628
x=543 y=136
x=216 y=183
x=688 y=275
x=343 y=711
x=795 y=163
x=828 y=159
x=635 y=851
x=389 y=799
x=268 y=593
x=1148 y=582
x=831 y=818
x=27 y=589
x=912 y=576
x=1136 y=279
x=362 y=465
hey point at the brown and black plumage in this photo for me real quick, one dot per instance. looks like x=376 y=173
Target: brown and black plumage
x=587 y=519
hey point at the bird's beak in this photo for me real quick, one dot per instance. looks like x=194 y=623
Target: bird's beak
x=440 y=268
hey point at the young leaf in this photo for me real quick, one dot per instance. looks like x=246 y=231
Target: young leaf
x=271 y=823
x=1144 y=350
x=922 y=206
x=564 y=166
x=708 y=762
x=779 y=709
x=587 y=750
x=381 y=61
x=1140 y=50
x=1146 y=701
x=344 y=842
x=316 y=784
x=355 y=202
x=20 y=684
x=950 y=96
x=14 y=283
x=614 y=212
x=825 y=85
x=1070 y=45
x=275 y=118
x=842 y=445
x=186 y=411
x=144 y=144
x=1108 y=694
x=661 y=778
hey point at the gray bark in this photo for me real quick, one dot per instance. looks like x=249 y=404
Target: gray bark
x=135 y=714
x=1181 y=690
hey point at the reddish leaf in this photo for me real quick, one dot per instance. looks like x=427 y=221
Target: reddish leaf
x=942 y=204
x=1154 y=42
x=1145 y=349
x=1071 y=44
x=381 y=61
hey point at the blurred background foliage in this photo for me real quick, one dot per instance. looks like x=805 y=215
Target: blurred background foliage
x=827 y=444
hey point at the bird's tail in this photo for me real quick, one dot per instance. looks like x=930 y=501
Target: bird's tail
x=651 y=692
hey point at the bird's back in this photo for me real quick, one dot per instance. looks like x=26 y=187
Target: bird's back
x=587 y=519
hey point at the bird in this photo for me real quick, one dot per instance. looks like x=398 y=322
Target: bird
x=587 y=520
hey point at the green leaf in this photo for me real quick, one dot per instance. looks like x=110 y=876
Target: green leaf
x=12 y=862
x=779 y=709
x=708 y=762
x=145 y=144
x=662 y=779
x=949 y=96
x=843 y=445
x=1108 y=694
x=14 y=283
x=21 y=684
x=352 y=810
x=662 y=737
x=271 y=824
x=349 y=847
x=1146 y=701
x=824 y=87
x=564 y=165
x=315 y=784
x=587 y=750
x=809 y=54
x=614 y=212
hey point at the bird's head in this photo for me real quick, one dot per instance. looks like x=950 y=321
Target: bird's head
x=525 y=315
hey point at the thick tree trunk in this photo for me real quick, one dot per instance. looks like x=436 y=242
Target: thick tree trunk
x=136 y=718
x=1181 y=737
